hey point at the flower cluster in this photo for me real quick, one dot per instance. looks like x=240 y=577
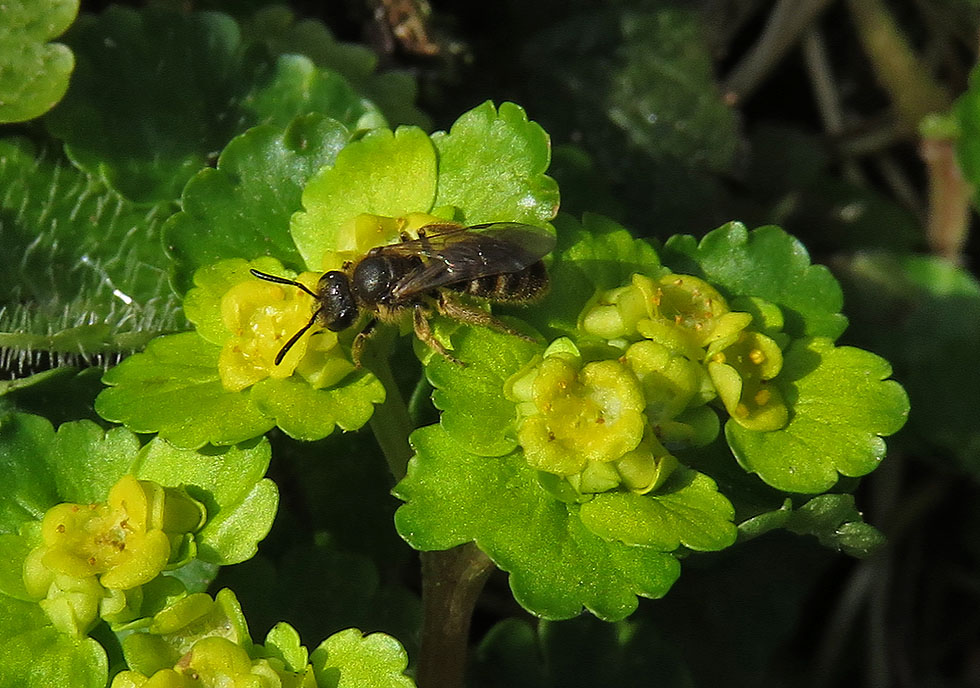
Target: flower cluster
x=654 y=354
x=94 y=558
x=202 y=641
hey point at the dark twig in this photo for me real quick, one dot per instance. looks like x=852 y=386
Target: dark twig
x=787 y=22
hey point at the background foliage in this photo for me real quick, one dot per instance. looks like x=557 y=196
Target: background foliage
x=853 y=124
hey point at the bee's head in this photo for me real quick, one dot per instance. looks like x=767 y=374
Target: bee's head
x=338 y=309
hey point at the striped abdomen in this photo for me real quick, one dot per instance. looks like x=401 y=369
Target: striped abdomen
x=508 y=287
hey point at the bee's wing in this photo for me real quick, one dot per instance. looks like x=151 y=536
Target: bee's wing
x=460 y=255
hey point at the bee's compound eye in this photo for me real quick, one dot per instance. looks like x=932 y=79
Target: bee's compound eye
x=338 y=310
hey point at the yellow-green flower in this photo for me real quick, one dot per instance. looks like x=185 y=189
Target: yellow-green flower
x=216 y=662
x=741 y=372
x=94 y=557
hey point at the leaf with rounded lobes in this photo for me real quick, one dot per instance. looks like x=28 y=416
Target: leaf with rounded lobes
x=593 y=255
x=33 y=73
x=384 y=173
x=475 y=411
x=240 y=502
x=557 y=565
x=350 y=659
x=310 y=414
x=157 y=92
x=688 y=510
x=768 y=263
x=242 y=208
x=173 y=388
x=841 y=405
x=492 y=166
x=34 y=654
x=393 y=92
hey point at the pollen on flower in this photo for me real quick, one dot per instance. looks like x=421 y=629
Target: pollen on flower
x=261 y=317
x=90 y=557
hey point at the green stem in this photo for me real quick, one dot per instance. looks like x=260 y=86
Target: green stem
x=451 y=580
x=390 y=422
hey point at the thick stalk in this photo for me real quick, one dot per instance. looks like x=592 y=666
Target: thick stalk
x=451 y=583
x=451 y=580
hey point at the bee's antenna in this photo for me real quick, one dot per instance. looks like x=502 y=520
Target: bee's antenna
x=295 y=338
x=282 y=280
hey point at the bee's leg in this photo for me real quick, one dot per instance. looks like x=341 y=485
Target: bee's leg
x=423 y=330
x=471 y=315
x=357 y=348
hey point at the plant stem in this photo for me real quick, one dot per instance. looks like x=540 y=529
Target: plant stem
x=786 y=23
x=390 y=422
x=451 y=583
x=451 y=580
x=913 y=91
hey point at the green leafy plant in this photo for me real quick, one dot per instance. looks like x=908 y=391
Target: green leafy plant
x=187 y=445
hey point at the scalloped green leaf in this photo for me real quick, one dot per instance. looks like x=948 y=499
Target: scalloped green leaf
x=33 y=72
x=86 y=460
x=90 y=275
x=349 y=659
x=557 y=566
x=82 y=461
x=841 y=405
x=311 y=414
x=393 y=92
x=768 y=263
x=492 y=165
x=832 y=518
x=240 y=501
x=243 y=207
x=130 y=65
x=593 y=255
x=298 y=86
x=33 y=654
x=474 y=410
x=923 y=314
x=173 y=388
x=688 y=510
x=384 y=173
x=282 y=641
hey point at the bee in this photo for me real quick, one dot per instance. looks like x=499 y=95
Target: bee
x=499 y=262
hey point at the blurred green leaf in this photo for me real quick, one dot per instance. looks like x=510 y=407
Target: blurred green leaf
x=393 y=92
x=33 y=73
x=132 y=63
